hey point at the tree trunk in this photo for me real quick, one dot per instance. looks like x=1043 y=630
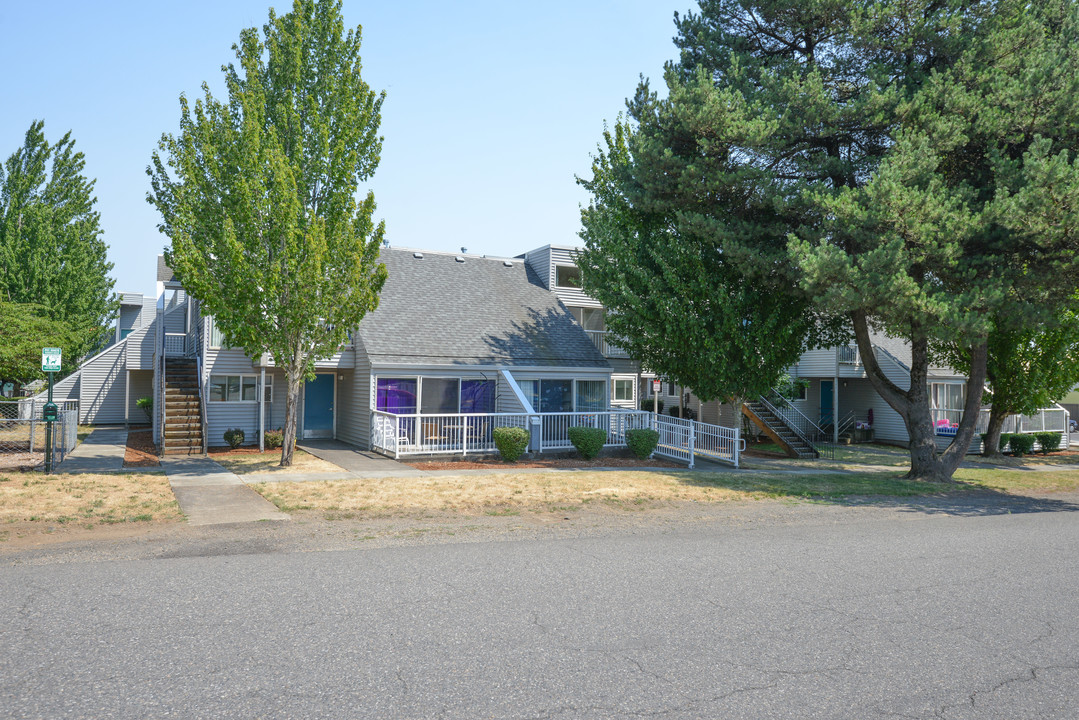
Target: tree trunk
x=913 y=404
x=992 y=433
x=294 y=373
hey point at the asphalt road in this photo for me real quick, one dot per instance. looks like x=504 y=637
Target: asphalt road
x=909 y=613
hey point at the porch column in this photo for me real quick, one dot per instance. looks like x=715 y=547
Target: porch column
x=262 y=410
x=127 y=398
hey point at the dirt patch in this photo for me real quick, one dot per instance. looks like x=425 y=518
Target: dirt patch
x=141 y=450
x=248 y=459
x=494 y=463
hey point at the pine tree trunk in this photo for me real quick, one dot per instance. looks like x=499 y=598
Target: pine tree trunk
x=991 y=447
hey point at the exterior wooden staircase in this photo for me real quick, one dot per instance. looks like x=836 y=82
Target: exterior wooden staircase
x=778 y=430
x=183 y=416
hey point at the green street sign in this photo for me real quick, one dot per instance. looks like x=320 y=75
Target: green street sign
x=50 y=359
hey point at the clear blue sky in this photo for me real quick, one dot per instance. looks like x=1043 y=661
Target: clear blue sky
x=491 y=107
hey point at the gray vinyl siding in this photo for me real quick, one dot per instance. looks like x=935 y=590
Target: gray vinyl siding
x=142 y=385
x=353 y=404
x=176 y=319
x=101 y=390
x=221 y=416
x=66 y=389
x=140 y=348
x=569 y=296
x=540 y=262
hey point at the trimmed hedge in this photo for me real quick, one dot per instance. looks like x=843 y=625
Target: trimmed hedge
x=1050 y=441
x=642 y=441
x=234 y=437
x=588 y=440
x=1005 y=440
x=511 y=442
x=273 y=438
x=690 y=413
x=646 y=405
x=1021 y=444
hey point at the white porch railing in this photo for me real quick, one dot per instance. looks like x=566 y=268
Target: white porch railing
x=175 y=344
x=601 y=339
x=448 y=434
x=946 y=422
x=421 y=434
x=554 y=427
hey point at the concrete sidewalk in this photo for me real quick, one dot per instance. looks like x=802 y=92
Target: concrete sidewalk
x=102 y=451
x=211 y=495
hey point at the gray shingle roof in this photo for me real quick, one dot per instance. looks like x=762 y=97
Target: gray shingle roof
x=435 y=310
x=164 y=272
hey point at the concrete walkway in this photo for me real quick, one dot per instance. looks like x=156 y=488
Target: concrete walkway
x=102 y=451
x=211 y=495
x=358 y=462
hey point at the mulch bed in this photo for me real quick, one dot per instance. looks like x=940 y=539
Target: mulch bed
x=243 y=450
x=141 y=450
x=496 y=463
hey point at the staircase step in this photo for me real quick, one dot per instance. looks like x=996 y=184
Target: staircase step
x=182 y=442
x=194 y=450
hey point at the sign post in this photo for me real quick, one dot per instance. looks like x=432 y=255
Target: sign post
x=50 y=363
x=656 y=385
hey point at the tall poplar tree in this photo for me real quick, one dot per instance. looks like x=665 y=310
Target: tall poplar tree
x=917 y=158
x=258 y=194
x=52 y=254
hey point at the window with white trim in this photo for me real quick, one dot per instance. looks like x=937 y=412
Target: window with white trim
x=623 y=389
x=238 y=388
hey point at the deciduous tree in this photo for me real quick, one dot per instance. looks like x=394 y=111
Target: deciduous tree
x=24 y=330
x=258 y=194
x=51 y=251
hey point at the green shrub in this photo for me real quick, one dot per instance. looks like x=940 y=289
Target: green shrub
x=273 y=438
x=1021 y=444
x=642 y=441
x=1005 y=440
x=1050 y=441
x=147 y=405
x=588 y=440
x=511 y=442
x=688 y=413
x=646 y=405
x=234 y=437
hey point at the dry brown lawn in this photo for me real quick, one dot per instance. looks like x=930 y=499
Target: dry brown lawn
x=511 y=493
x=249 y=460
x=84 y=500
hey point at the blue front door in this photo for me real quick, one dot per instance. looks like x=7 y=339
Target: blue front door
x=826 y=405
x=318 y=407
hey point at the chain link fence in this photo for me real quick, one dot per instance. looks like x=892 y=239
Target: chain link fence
x=23 y=433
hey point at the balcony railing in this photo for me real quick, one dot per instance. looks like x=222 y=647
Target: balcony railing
x=175 y=344
x=602 y=340
x=848 y=355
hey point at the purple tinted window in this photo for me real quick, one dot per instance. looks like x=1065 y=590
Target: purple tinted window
x=396 y=396
x=477 y=396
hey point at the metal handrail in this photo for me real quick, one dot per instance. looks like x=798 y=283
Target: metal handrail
x=202 y=405
x=793 y=425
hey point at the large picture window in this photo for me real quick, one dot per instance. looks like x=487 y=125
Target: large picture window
x=948 y=396
x=437 y=396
